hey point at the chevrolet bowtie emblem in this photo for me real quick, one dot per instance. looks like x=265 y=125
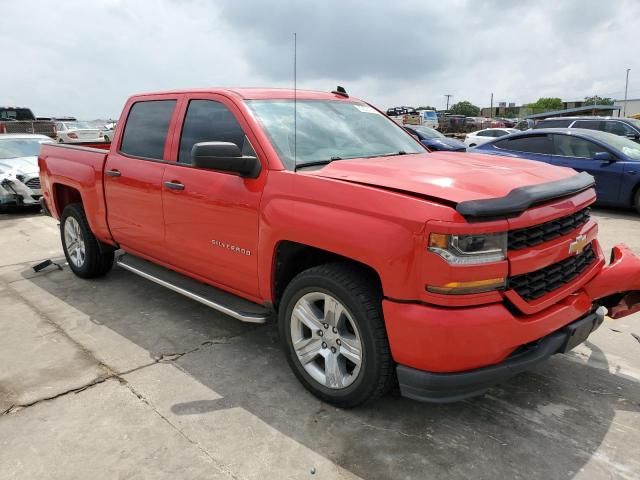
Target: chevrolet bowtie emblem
x=577 y=246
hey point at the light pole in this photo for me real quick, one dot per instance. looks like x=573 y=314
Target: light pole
x=448 y=95
x=626 y=87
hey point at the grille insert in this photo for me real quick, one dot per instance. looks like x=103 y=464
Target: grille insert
x=532 y=236
x=533 y=285
x=33 y=183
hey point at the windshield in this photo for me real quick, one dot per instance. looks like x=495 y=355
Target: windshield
x=630 y=148
x=21 y=147
x=430 y=114
x=330 y=130
x=427 y=132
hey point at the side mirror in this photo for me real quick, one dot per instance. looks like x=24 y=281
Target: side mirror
x=604 y=157
x=225 y=157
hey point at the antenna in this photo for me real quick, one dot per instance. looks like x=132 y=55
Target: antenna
x=295 y=102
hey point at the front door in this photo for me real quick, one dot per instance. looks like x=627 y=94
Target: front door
x=211 y=218
x=577 y=153
x=133 y=179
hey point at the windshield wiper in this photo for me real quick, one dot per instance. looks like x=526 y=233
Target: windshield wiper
x=317 y=162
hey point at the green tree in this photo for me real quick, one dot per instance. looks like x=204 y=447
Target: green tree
x=546 y=104
x=465 y=108
x=596 y=100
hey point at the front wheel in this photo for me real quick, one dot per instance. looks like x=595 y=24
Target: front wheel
x=636 y=202
x=80 y=245
x=333 y=334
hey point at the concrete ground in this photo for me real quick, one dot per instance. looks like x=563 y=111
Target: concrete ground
x=120 y=378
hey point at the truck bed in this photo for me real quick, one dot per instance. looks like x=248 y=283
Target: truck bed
x=76 y=171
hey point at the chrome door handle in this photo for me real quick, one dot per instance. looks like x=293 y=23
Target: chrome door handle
x=113 y=173
x=174 y=185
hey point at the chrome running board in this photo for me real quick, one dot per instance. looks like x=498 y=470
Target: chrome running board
x=212 y=297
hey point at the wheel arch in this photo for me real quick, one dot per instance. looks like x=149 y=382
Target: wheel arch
x=291 y=258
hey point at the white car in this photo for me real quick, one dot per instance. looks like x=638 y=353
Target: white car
x=108 y=132
x=19 y=172
x=74 y=132
x=483 y=136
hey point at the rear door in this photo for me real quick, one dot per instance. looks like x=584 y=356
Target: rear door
x=212 y=218
x=133 y=177
x=577 y=153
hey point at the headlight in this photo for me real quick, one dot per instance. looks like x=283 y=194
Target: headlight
x=469 y=249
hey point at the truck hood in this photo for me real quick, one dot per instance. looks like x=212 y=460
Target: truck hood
x=448 y=176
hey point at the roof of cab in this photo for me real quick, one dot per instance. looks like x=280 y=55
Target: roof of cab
x=259 y=93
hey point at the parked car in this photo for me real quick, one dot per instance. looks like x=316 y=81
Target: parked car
x=382 y=262
x=474 y=139
x=612 y=160
x=108 y=132
x=19 y=173
x=625 y=127
x=525 y=124
x=429 y=118
x=434 y=140
x=77 y=132
x=22 y=120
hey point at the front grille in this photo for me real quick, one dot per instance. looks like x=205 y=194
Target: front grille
x=532 y=236
x=534 y=285
x=33 y=183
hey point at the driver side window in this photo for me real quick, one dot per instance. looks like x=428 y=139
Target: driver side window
x=210 y=121
x=570 y=146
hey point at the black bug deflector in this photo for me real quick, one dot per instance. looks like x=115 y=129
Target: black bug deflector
x=521 y=198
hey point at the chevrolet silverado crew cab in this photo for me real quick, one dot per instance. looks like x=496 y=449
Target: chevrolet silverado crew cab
x=384 y=263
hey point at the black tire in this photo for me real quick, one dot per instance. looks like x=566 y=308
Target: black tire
x=636 y=200
x=360 y=294
x=95 y=263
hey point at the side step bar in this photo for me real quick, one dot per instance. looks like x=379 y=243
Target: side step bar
x=224 y=302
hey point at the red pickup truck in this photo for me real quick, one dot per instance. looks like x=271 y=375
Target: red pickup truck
x=384 y=263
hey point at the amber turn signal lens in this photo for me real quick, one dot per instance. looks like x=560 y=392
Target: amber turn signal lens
x=439 y=240
x=460 y=288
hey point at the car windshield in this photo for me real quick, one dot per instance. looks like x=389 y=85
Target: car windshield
x=78 y=125
x=430 y=114
x=630 y=148
x=427 y=132
x=330 y=130
x=20 y=147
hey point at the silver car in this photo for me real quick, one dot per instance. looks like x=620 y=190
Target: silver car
x=19 y=173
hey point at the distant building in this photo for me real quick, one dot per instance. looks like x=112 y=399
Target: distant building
x=633 y=106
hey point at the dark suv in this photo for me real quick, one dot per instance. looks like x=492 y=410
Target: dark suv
x=625 y=127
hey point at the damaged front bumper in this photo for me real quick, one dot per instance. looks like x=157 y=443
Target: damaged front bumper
x=617 y=286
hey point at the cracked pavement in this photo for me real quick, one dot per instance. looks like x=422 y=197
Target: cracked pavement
x=120 y=378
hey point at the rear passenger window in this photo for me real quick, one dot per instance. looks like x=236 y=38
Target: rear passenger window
x=209 y=121
x=535 y=144
x=146 y=129
x=589 y=124
x=553 y=124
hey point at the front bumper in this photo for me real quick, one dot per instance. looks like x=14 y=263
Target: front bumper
x=456 y=341
x=452 y=387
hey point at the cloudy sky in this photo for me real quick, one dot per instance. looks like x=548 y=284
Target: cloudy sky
x=84 y=57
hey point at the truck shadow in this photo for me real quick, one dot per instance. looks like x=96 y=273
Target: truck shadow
x=544 y=424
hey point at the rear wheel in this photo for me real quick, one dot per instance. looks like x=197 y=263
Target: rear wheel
x=334 y=336
x=80 y=245
x=636 y=201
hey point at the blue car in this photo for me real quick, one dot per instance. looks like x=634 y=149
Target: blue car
x=613 y=160
x=434 y=140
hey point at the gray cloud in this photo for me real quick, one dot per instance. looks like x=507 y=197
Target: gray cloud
x=84 y=58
